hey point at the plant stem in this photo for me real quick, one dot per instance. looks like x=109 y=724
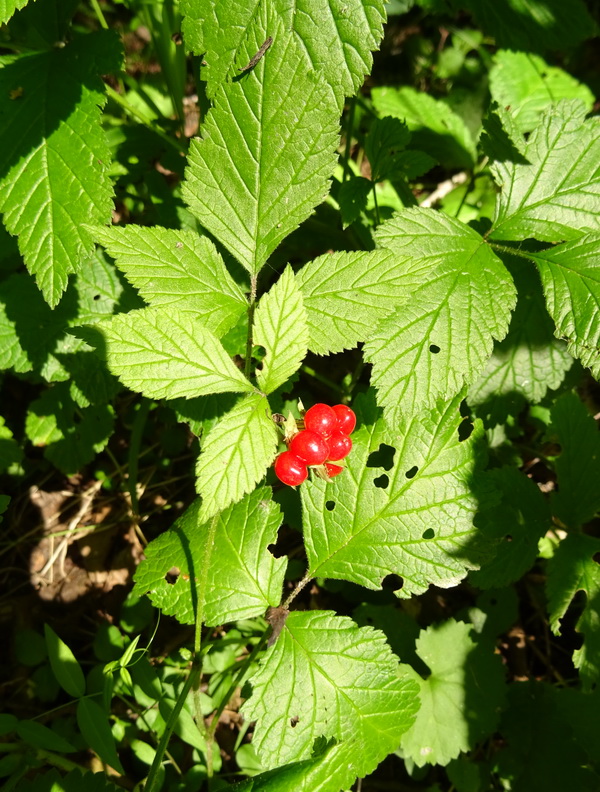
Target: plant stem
x=299 y=586
x=139 y=116
x=349 y=127
x=251 y=309
x=511 y=251
x=320 y=378
x=195 y=675
x=377 y=215
x=99 y=14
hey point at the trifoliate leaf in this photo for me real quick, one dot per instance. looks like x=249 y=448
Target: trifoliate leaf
x=235 y=454
x=539 y=751
x=70 y=436
x=176 y=268
x=517 y=525
x=527 y=362
x=353 y=197
x=243 y=578
x=574 y=567
x=460 y=700
x=530 y=25
x=414 y=519
x=54 y=155
x=578 y=465
x=336 y=39
x=164 y=353
x=571 y=279
x=441 y=335
x=325 y=678
x=267 y=149
x=280 y=326
x=436 y=128
x=346 y=294
x=556 y=195
x=528 y=85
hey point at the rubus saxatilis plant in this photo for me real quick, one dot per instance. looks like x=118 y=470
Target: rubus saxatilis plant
x=427 y=295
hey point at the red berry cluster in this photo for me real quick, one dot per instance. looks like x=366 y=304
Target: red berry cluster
x=323 y=441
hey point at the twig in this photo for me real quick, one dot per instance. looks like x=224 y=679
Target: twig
x=444 y=188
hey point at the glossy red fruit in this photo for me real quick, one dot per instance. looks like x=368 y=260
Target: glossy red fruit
x=290 y=469
x=345 y=417
x=333 y=470
x=320 y=418
x=340 y=446
x=309 y=446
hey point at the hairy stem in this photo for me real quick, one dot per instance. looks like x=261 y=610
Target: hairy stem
x=251 y=309
x=511 y=251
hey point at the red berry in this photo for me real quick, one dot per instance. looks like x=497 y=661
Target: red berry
x=340 y=446
x=320 y=418
x=345 y=417
x=333 y=470
x=309 y=446
x=290 y=469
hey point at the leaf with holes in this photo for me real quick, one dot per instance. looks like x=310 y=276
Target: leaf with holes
x=325 y=678
x=280 y=326
x=528 y=85
x=571 y=279
x=440 y=338
x=462 y=697
x=415 y=519
x=336 y=39
x=176 y=268
x=556 y=195
x=528 y=362
x=243 y=578
x=267 y=149
x=575 y=567
x=54 y=157
x=235 y=454
x=164 y=354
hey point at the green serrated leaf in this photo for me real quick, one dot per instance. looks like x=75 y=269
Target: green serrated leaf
x=353 y=198
x=176 y=268
x=460 y=699
x=10 y=451
x=280 y=326
x=346 y=294
x=570 y=276
x=203 y=412
x=556 y=195
x=244 y=579
x=527 y=362
x=441 y=336
x=578 y=466
x=71 y=436
x=572 y=568
x=337 y=39
x=415 y=520
x=387 y=138
x=267 y=149
x=8 y=8
x=436 y=129
x=235 y=454
x=528 y=85
x=501 y=139
x=55 y=159
x=325 y=677
x=164 y=354
x=517 y=525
